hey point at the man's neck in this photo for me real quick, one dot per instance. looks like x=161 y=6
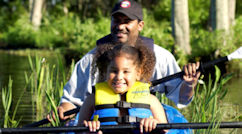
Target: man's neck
x=133 y=42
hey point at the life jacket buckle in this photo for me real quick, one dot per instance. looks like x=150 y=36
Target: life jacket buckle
x=129 y=119
x=123 y=104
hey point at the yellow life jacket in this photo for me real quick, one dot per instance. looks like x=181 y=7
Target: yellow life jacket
x=107 y=104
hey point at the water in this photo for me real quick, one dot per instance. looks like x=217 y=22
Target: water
x=16 y=65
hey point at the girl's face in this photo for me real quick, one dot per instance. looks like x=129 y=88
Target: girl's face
x=122 y=73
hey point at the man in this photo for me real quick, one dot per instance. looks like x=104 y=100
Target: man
x=126 y=24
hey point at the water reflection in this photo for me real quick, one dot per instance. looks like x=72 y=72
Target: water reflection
x=16 y=65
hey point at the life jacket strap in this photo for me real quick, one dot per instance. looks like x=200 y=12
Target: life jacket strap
x=124 y=119
x=123 y=104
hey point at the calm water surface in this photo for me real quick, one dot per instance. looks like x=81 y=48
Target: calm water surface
x=16 y=65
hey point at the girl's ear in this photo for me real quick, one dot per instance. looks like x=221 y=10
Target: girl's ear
x=138 y=76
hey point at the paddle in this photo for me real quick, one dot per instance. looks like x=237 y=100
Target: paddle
x=235 y=55
x=125 y=127
x=45 y=121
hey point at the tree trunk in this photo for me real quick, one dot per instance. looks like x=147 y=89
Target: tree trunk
x=36 y=14
x=222 y=16
x=231 y=11
x=30 y=5
x=219 y=15
x=65 y=7
x=180 y=25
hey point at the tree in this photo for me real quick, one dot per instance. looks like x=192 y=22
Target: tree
x=222 y=13
x=36 y=12
x=231 y=11
x=219 y=15
x=180 y=25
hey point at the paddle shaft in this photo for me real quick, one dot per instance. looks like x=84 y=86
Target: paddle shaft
x=45 y=121
x=202 y=68
x=124 y=127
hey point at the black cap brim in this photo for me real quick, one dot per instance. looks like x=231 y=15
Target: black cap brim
x=132 y=17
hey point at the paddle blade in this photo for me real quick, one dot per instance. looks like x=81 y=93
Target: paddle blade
x=236 y=54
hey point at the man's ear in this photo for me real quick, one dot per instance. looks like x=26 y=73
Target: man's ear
x=140 y=25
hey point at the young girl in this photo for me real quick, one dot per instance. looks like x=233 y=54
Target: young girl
x=123 y=90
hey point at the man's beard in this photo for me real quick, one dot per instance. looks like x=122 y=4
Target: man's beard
x=129 y=41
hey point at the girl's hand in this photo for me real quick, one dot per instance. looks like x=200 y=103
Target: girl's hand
x=93 y=126
x=148 y=124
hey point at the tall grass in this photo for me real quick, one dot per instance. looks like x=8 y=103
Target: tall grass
x=46 y=81
x=207 y=100
x=9 y=118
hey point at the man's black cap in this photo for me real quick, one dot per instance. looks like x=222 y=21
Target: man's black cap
x=130 y=8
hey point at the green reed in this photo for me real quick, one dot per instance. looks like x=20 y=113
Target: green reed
x=46 y=83
x=7 y=99
x=205 y=106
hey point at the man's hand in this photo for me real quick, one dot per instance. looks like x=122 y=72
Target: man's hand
x=190 y=77
x=66 y=106
x=191 y=74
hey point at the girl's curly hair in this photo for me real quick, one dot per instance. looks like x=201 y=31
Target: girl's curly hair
x=142 y=56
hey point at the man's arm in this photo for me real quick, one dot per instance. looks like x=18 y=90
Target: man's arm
x=190 y=77
x=179 y=90
x=65 y=106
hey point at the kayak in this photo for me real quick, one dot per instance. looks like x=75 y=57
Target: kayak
x=172 y=114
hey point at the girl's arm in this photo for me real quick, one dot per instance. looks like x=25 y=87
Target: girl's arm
x=87 y=109
x=86 y=112
x=157 y=110
x=159 y=116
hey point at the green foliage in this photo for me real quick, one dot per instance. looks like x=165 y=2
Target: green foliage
x=55 y=122
x=46 y=81
x=1 y=25
x=66 y=31
x=10 y=12
x=238 y=8
x=208 y=97
x=77 y=32
x=162 y=10
x=237 y=32
x=159 y=31
x=214 y=44
x=7 y=99
x=21 y=34
x=198 y=13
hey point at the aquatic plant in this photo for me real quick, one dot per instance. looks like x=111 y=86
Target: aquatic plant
x=9 y=120
x=205 y=106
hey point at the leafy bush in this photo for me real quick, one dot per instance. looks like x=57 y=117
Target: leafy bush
x=20 y=35
x=198 y=13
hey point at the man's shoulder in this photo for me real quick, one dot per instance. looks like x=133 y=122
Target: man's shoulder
x=87 y=57
x=104 y=40
x=158 y=50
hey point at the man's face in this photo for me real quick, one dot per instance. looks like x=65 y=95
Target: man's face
x=125 y=30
